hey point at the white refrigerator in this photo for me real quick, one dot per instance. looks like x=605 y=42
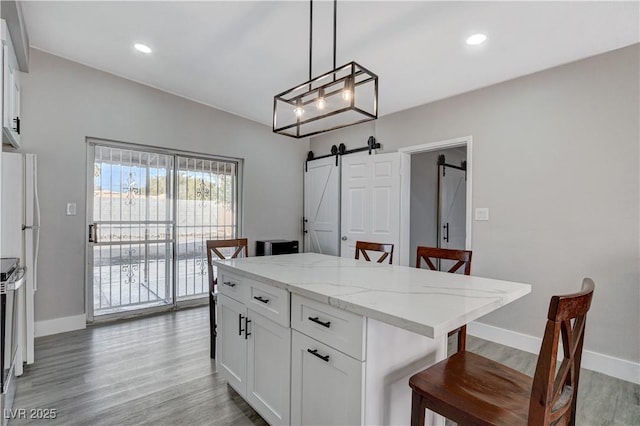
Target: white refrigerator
x=21 y=232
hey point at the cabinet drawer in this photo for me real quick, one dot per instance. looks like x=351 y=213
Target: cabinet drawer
x=272 y=302
x=231 y=285
x=335 y=327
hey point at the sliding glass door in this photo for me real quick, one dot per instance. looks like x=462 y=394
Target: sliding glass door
x=151 y=212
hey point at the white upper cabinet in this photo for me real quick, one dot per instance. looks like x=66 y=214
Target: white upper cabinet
x=10 y=91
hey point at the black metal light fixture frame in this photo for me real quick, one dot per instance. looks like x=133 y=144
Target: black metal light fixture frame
x=297 y=112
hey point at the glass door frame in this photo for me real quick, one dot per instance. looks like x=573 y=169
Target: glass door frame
x=88 y=284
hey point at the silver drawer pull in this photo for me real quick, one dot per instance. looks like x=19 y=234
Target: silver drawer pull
x=229 y=283
x=322 y=323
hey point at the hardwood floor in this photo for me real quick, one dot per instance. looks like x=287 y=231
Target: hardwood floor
x=154 y=370
x=157 y=370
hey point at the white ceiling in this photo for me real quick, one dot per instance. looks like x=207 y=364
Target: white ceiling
x=237 y=55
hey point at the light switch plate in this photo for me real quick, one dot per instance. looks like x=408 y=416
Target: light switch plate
x=71 y=209
x=482 y=213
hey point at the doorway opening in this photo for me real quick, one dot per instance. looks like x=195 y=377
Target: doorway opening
x=436 y=196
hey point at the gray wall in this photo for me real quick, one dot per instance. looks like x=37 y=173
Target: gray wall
x=556 y=159
x=424 y=197
x=64 y=102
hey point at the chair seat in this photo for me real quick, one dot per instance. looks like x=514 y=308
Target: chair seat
x=471 y=389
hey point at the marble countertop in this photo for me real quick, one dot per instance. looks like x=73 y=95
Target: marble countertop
x=430 y=303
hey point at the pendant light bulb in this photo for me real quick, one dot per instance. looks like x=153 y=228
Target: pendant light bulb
x=347 y=91
x=321 y=102
x=298 y=110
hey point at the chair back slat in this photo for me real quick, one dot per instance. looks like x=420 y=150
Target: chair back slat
x=363 y=246
x=554 y=390
x=213 y=246
x=429 y=253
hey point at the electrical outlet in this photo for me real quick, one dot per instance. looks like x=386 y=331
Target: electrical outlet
x=71 y=209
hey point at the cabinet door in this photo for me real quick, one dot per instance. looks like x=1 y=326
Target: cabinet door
x=232 y=343
x=326 y=385
x=268 y=368
x=11 y=101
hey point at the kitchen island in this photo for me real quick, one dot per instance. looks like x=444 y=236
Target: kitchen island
x=315 y=339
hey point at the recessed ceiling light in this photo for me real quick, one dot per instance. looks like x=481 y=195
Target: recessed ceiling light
x=142 y=48
x=476 y=39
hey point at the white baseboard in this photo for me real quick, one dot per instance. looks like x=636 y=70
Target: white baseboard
x=605 y=364
x=60 y=325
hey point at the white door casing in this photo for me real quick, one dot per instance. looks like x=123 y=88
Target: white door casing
x=405 y=223
x=370 y=201
x=322 y=206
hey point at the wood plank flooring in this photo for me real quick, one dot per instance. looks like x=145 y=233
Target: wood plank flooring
x=157 y=371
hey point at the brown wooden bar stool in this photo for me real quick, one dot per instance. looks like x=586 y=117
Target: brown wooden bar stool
x=428 y=254
x=238 y=246
x=470 y=389
x=385 y=249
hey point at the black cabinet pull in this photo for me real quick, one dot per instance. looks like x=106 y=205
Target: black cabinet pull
x=325 y=358
x=17 y=128
x=246 y=328
x=317 y=321
x=261 y=299
x=229 y=283
x=240 y=330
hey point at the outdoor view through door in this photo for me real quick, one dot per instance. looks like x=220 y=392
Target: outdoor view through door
x=152 y=214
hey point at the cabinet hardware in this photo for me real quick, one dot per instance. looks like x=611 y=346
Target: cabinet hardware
x=240 y=330
x=229 y=283
x=261 y=299
x=317 y=321
x=446 y=232
x=17 y=128
x=325 y=358
x=246 y=327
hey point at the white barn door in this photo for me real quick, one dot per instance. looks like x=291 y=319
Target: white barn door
x=322 y=206
x=370 y=201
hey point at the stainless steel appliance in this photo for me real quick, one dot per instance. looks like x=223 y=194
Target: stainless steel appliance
x=271 y=247
x=20 y=234
x=11 y=300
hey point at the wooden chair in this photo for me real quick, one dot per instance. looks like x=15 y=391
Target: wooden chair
x=385 y=249
x=464 y=259
x=213 y=249
x=470 y=389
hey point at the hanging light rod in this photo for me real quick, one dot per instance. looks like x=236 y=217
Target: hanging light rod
x=342 y=97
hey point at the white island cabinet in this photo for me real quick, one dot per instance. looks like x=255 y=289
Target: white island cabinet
x=254 y=346
x=338 y=339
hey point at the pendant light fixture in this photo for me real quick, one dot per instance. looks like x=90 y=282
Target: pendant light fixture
x=342 y=97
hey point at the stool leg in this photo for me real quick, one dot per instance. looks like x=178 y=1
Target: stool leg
x=212 y=325
x=417 y=409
